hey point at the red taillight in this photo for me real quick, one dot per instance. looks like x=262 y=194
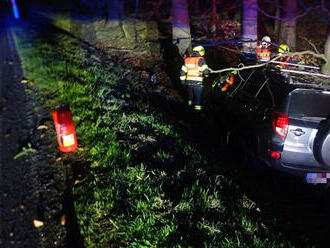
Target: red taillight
x=275 y=155
x=64 y=126
x=280 y=123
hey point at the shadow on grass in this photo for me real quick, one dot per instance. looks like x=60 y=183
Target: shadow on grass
x=73 y=238
x=74 y=171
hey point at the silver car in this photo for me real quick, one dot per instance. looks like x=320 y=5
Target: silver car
x=301 y=135
x=287 y=126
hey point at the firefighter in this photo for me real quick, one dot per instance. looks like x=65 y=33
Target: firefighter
x=225 y=81
x=283 y=51
x=229 y=80
x=192 y=74
x=262 y=50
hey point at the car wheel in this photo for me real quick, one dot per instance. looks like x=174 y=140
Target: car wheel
x=322 y=143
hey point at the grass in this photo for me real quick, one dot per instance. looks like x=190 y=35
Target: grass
x=142 y=184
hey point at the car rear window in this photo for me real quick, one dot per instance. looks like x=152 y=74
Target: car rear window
x=309 y=103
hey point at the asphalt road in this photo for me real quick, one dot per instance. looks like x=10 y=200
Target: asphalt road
x=18 y=199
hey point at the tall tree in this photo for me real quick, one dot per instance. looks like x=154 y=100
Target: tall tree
x=196 y=7
x=115 y=10
x=249 y=24
x=180 y=25
x=277 y=22
x=214 y=17
x=326 y=66
x=288 y=25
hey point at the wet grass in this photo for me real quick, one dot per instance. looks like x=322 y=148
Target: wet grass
x=141 y=182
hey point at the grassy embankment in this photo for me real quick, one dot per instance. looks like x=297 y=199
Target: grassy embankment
x=143 y=184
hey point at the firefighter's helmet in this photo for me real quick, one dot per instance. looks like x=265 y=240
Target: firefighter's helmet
x=284 y=48
x=265 y=41
x=200 y=50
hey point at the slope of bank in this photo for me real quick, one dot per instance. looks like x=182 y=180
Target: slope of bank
x=141 y=178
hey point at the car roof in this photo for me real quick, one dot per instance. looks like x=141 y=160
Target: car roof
x=313 y=80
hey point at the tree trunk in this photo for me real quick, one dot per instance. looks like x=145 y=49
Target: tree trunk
x=250 y=25
x=115 y=10
x=196 y=7
x=326 y=67
x=277 y=23
x=214 y=17
x=288 y=27
x=180 y=26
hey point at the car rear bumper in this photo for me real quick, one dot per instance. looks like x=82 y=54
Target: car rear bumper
x=297 y=170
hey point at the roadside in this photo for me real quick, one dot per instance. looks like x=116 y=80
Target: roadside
x=30 y=209
x=149 y=171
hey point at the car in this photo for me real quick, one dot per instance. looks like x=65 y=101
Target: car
x=281 y=121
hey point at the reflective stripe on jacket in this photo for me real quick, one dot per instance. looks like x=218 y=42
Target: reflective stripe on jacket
x=286 y=59
x=262 y=54
x=229 y=81
x=194 y=72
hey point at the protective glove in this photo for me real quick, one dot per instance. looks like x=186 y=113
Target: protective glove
x=301 y=63
x=206 y=73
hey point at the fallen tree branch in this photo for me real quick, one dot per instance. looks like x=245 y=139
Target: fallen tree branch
x=245 y=67
x=310 y=43
x=317 y=55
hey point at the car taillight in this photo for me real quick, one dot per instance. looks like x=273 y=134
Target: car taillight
x=280 y=123
x=275 y=155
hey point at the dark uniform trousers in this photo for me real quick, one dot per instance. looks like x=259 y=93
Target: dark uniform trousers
x=195 y=91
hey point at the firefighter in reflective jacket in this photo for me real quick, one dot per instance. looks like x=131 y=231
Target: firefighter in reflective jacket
x=286 y=60
x=192 y=74
x=229 y=80
x=262 y=50
x=285 y=57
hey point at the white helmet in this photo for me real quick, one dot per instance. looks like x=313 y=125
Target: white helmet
x=265 y=41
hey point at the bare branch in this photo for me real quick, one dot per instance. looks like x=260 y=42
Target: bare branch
x=284 y=19
x=230 y=49
x=275 y=3
x=310 y=43
x=317 y=55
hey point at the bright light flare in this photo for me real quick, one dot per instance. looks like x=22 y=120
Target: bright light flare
x=15 y=9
